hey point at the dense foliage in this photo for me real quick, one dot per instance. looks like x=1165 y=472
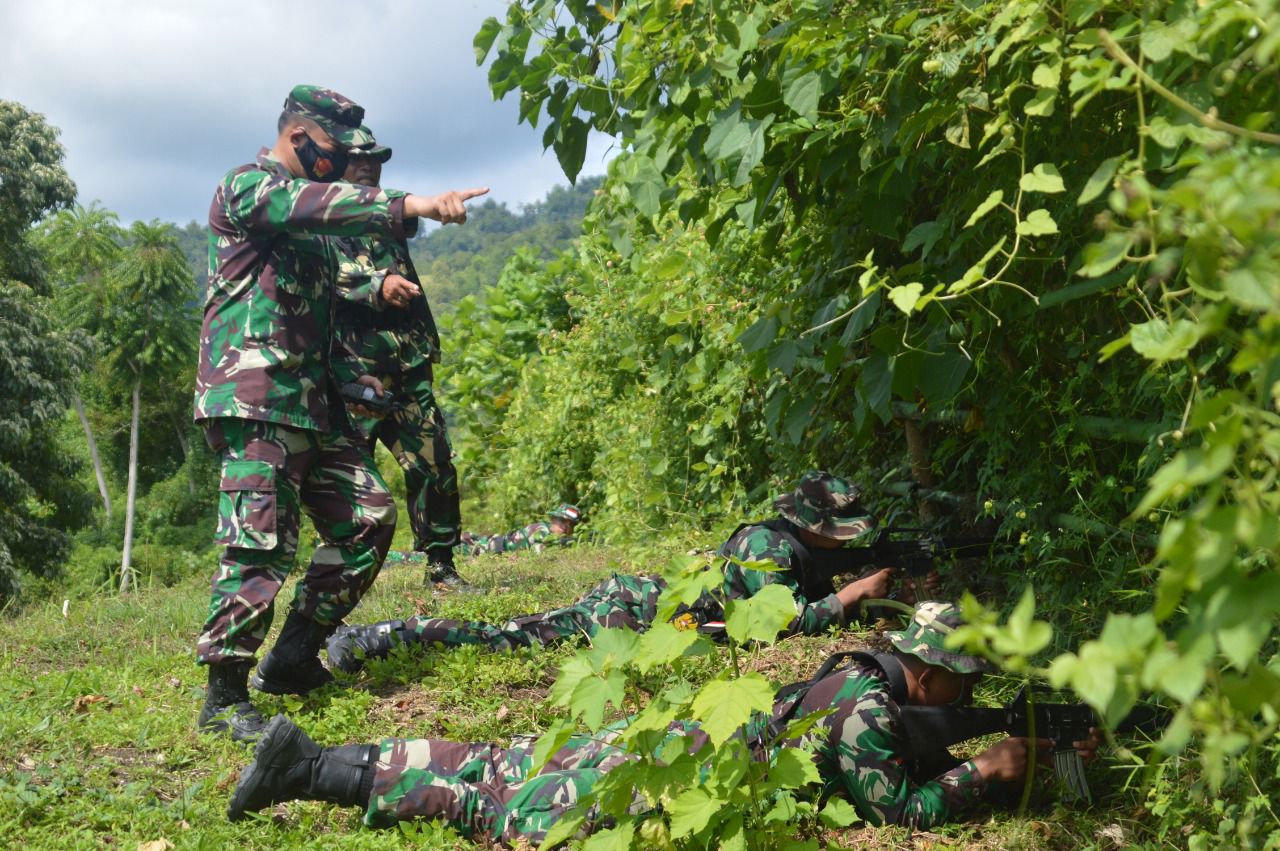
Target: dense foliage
x=1014 y=259
x=40 y=497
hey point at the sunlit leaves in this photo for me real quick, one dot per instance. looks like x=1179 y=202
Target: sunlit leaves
x=762 y=616
x=723 y=706
x=1038 y=223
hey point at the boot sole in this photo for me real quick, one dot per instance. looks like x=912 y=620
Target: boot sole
x=250 y=780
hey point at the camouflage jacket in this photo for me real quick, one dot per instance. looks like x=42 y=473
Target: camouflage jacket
x=265 y=342
x=817 y=607
x=858 y=750
x=387 y=340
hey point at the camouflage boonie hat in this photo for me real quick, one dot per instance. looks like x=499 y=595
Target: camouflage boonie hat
x=826 y=505
x=338 y=116
x=565 y=511
x=926 y=639
x=372 y=149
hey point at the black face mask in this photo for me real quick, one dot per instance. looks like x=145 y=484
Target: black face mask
x=321 y=165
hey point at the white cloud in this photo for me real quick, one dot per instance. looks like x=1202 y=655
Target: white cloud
x=156 y=100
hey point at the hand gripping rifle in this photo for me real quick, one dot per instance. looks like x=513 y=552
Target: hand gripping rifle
x=928 y=729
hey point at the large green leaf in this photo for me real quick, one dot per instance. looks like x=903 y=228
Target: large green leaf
x=761 y=616
x=1162 y=341
x=988 y=204
x=1043 y=178
x=801 y=91
x=723 y=706
x=693 y=809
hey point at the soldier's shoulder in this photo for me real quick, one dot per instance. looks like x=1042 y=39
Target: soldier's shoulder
x=757 y=540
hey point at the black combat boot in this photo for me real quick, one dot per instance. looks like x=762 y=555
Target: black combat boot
x=440 y=571
x=226 y=704
x=288 y=766
x=349 y=646
x=293 y=665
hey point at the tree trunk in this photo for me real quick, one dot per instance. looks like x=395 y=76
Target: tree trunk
x=93 y=454
x=126 y=560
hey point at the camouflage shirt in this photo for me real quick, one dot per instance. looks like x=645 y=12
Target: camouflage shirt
x=264 y=345
x=387 y=340
x=536 y=536
x=858 y=750
x=814 y=613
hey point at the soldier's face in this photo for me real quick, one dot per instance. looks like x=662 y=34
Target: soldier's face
x=366 y=171
x=941 y=686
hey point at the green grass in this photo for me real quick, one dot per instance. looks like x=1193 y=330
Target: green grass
x=97 y=712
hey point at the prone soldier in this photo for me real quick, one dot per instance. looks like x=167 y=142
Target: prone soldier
x=823 y=512
x=556 y=530
x=266 y=399
x=486 y=791
x=383 y=316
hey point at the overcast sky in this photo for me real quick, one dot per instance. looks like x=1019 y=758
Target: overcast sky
x=156 y=100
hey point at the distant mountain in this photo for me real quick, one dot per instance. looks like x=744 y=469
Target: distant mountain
x=458 y=261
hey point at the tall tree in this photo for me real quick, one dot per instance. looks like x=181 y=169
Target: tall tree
x=39 y=497
x=81 y=244
x=150 y=326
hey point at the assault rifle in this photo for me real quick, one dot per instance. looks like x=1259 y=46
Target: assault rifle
x=916 y=554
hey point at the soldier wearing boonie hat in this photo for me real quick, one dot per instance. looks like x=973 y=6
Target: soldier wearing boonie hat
x=264 y=391
x=823 y=511
x=925 y=638
x=383 y=316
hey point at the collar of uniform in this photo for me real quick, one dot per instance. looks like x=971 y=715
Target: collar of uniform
x=268 y=162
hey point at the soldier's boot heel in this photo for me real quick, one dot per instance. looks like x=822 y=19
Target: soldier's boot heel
x=293 y=666
x=226 y=704
x=350 y=646
x=287 y=766
x=441 y=571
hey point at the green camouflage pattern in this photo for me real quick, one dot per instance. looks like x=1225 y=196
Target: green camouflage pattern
x=817 y=606
x=337 y=115
x=537 y=536
x=926 y=639
x=619 y=602
x=399 y=347
x=372 y=149
x=487 y=792
x=566 y=511
x=271 y=473
x=267 y=329
x=858 y=750
x=826 y=505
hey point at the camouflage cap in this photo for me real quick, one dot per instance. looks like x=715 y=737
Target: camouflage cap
x=372 y=149
x=926 y=639
x=827 y=505
x=565 y=511
x=338 y=116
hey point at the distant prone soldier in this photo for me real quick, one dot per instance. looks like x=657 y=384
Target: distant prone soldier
x=860 y=749
x=823 y=512
x=556 y=530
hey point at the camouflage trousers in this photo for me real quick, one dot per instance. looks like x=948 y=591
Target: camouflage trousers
x=485 y=790
x=629 y=602
x=417 y=437
x=270 y=474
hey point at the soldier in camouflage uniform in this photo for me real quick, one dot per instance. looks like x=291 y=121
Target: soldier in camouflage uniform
x=383 y=316
x=266 y=399
x=486 y=791
x=556 y=530
x=824 y=511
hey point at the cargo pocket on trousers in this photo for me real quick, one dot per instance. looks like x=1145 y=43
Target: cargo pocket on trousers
x=247 y=505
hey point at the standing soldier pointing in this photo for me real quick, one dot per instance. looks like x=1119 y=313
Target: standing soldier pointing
x=270 y=409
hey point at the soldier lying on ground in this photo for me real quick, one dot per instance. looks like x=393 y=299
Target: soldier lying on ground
x=382 y=315
x=266 y=400
x=824 y=511
x=485 y=790
x=556 y=530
